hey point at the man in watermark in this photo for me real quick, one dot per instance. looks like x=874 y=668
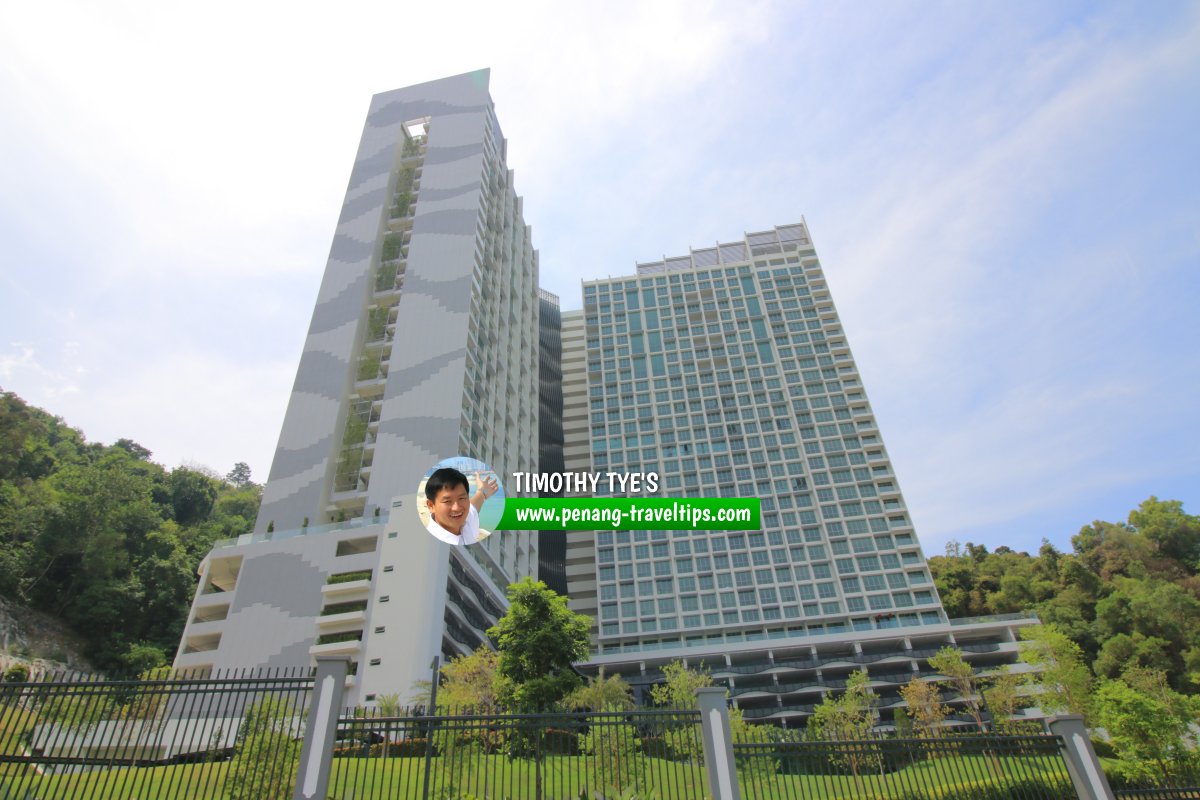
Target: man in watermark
x=453 y=515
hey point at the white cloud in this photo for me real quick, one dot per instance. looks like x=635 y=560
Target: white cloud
x=20 y=366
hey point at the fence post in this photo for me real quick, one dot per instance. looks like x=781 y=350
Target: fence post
x=718 y=744
x=1082 y=764
x=316 y=757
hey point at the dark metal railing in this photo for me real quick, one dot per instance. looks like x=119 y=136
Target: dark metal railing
x=824 y=661
x=177 y=735
x=564 y=755
x=1172 y=779
x=780 y=764
x=238 y=736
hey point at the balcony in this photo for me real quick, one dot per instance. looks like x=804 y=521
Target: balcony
x=211 y=612
x=202 y=644
x=222 y=575
x=333 y=622
x=347 y=591
x=351 y=647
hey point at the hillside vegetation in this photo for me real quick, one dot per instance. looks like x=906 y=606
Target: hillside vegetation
x=108 y=541
x=105 y=539
x=1128 y=594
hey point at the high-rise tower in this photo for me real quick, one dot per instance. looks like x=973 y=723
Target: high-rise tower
x=424 y=344
x=728 y=372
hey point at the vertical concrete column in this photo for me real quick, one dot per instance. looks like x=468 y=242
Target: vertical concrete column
x=316 y=756
x=1082 y=763
x=718 y=744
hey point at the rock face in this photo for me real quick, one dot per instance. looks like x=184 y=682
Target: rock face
x=40 y=641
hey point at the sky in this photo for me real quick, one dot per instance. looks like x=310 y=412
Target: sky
x=1003 y=196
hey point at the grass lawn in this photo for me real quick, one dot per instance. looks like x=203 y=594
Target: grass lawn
x=495 y=777
x=973 y=777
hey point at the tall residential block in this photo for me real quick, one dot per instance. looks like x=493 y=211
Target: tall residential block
x=727 y=372
x=424 y=344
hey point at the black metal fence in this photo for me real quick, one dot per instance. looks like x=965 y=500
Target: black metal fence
x=782 y=764
x=238 y=736
x=229 y=735
x=643 y=753
x=1172 y=779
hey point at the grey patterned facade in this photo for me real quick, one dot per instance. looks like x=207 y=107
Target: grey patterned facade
x=423 y=345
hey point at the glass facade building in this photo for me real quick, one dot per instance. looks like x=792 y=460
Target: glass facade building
x=728 y=372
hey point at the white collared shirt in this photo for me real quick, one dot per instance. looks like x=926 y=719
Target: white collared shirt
x=470 y=529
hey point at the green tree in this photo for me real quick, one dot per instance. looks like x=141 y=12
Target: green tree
x=678 y=690
x=601 y=693
x=389 y=705
x=925 y=708
x=1122 y=650
x=1148 y=723
x=139 y=658
x=470 y=683
x=848 y=717
x=266 y=753
x=102 y=537
x=1175 y=533
x=960 y=676
x=239 y=476
x=192 y=495
x=1062 y=678
x=616 y=759
x=1003 y=699
x=538 y=639
x=134 y=449
x=1150 y=608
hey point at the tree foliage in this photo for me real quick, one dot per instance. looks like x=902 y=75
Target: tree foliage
x=470 y=682
x=1003 y=699
x=678 y=690
x=925 y=708
x=601 y=693
x=103 y=537
x=1129 y=592
x=1063 y=678
x=1147 y=722
x=239 y=476
x=538 y=640
x=266 y=753
x=961 y=677
x=848 y=716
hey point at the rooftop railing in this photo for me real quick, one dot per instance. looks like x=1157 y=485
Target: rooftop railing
x=307 y=530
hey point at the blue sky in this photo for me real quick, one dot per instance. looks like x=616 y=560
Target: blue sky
x=1004 y=196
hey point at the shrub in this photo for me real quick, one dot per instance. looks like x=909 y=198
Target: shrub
x=266 y=754
x=614 y=761
x=17 y=673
